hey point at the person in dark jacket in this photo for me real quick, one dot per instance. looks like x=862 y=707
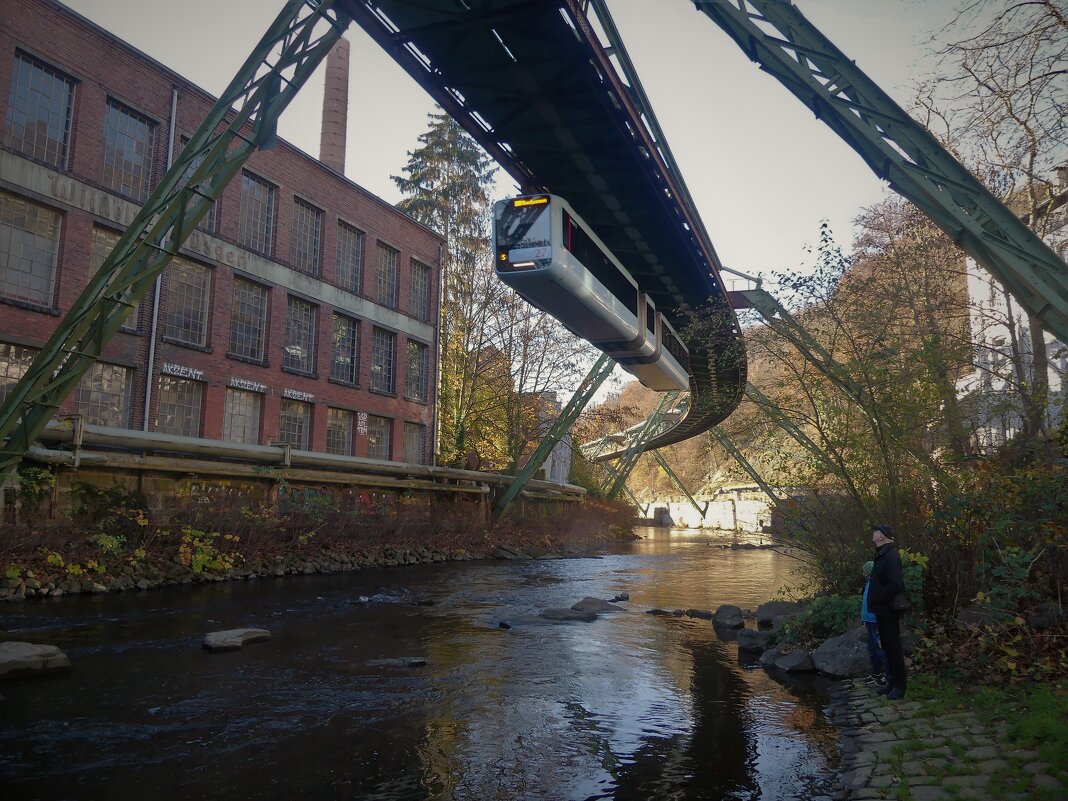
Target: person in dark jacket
x=887 y=580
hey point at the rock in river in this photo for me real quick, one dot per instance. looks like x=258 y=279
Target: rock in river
x=751 y=640
x=234 y=639
x=589 y=604
x=19 y=659
x=559 y=613
x=766 y=613
x=794 y=662
x=728 y=616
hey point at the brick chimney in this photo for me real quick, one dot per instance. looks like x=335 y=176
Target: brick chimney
x=335 y=107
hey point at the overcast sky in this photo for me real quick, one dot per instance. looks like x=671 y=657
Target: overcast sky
x=763 y=172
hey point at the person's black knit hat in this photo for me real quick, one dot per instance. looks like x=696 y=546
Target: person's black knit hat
x=885 y=529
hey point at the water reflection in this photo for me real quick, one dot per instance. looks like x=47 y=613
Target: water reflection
x=630 y=707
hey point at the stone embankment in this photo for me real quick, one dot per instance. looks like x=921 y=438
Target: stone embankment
x=903 y=751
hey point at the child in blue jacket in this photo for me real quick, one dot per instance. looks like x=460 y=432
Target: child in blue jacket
x=875 y=651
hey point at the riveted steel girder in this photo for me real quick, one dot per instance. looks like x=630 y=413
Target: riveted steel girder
x=601 y=369
x=899 y=150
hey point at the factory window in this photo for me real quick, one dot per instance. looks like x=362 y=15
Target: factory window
x=29 y=244
x=255 y=224
x=104 y=242
x=345 y=363
x=127 y=151
x=103 y=396
x=241 y=416
x=39 y=110
x=349 y=257
x=307 y=237
x=15 y=360
x=299 y=351
x=248 y=320
x=339 y=432
x=419 y=291
x=294 y=425
x=387 y=276
x=416 y=376
x=379 y=437
x=414 y=443
x=179 y=406
x=188 y=296
x=209 y=220
x=383 y=345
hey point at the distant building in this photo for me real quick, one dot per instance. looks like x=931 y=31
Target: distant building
x=558 y=466
x=304 y=310
x=988 y=393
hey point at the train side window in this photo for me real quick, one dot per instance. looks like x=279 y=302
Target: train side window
x=650 y=318
x=583 y=248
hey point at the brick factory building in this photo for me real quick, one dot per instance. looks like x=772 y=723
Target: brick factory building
x=304 y=310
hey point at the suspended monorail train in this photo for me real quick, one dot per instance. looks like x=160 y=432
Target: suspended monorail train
x=552 y=259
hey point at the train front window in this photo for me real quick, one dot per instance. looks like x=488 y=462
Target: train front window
x=522 y=226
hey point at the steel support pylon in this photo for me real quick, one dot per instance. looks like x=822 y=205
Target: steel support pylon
x=637 y=446
x=601 y=369
x=243 y=119
x=679 y=485
x=786 y=325
x=899 y=150
x=739 y=457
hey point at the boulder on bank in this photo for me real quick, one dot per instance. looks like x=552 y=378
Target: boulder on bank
x=753 y=640
x=559 y=613
x=767 y=659
x=766 y=613
x=844 y=657
x=729 y=617
x=508 y=552
x=595 y=605
x=20 y=659
x=234 y=639
x=794 y=662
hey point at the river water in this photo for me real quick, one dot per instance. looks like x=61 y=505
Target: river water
x=632 y=706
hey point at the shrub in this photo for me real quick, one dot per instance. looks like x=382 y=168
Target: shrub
x=826 y=616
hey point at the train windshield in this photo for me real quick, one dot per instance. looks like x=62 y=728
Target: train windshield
x=523 y=223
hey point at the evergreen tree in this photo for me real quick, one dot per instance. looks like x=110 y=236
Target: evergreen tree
x=447 y=181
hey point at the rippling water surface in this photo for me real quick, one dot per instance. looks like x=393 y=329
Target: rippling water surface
x=632 y=706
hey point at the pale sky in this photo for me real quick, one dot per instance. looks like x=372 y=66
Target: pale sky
x=762 y=171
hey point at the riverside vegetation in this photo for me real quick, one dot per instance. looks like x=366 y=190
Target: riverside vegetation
x=111 y=540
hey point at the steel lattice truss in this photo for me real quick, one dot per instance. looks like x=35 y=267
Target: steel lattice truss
x=899 y=150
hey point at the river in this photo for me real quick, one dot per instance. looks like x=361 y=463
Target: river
x=632 y=706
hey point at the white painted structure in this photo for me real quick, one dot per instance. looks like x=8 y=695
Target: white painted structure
x=988 y=397
x=737 y=507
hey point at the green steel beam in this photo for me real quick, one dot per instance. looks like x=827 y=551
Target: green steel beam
x=637 y=446
x=782 y=420
x=899 y=150
x=678 y=483
x=601 y=369
x=612 y=474
x=739 y=457
x=243 y=119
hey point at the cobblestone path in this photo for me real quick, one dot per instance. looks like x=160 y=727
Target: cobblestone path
x=899 y=750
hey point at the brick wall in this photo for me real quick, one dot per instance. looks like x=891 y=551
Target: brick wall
x=104 y=67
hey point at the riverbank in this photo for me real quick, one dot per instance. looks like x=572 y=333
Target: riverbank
x=134 y=553
x=942 y=744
